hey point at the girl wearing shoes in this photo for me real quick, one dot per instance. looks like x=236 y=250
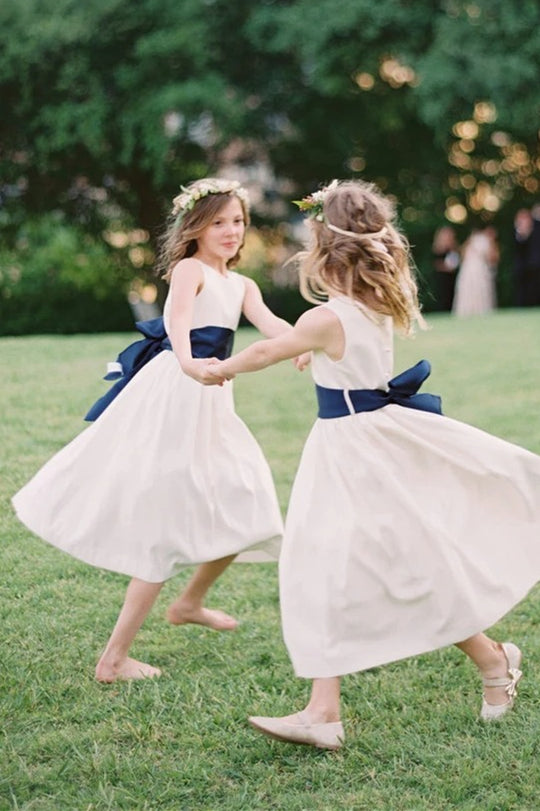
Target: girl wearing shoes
x=396 y=539
x=169 y=476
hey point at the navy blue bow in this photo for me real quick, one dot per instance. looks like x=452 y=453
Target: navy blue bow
x=402 y=390
x=206 y=342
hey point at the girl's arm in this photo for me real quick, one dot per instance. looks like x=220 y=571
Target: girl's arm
x=259 y=314
x=186 y=282
x=319 y=328
x=266 y=321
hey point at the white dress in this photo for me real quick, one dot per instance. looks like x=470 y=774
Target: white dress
x=406 y=530
x=168 y=475
x=475 y=285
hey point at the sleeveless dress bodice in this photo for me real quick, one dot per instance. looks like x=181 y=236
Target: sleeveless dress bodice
x=367 y=359
x=218 y=304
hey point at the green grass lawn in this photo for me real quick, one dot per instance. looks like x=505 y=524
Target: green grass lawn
x=182 y=742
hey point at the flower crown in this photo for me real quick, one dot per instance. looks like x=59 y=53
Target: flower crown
x=185 y=201
x=313 y=204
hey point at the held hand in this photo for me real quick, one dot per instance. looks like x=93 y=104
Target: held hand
x=216 y=367
x=206 y=371
x=302 y=361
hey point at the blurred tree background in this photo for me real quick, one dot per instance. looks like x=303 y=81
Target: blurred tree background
x=109 y=105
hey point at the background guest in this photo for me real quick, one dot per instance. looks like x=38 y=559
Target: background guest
x=446 y=258
x=475 y=285
x=533 y=298
x=523 y=227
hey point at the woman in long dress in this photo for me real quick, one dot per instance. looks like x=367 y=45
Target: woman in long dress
x=475 y=285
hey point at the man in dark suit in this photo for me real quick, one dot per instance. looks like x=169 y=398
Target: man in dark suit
x=534 y=259
x=523 y=226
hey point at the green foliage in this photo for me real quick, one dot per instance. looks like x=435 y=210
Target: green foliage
x=150 y=93
x=113 y=104
x=90 y=87
x=482 y=51
x=286 y=302
x=59 y=279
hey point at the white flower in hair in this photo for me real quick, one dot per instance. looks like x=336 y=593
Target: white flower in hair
x=313 y=204
x=186 y=200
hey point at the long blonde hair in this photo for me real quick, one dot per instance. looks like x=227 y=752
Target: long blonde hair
x=184 y=227
x=358 y=251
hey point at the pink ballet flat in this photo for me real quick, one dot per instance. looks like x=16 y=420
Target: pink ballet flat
x=492 y=712
x=322 y=736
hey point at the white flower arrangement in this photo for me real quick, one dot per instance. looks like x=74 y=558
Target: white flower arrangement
x=186 y=200
x=313 y=204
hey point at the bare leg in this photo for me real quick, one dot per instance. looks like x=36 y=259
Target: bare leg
x=489 y=658
x=323 y=706
x=114 y=662
x=188 y=607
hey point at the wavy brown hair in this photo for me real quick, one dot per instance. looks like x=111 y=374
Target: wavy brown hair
x=179 y=240
x=372 y=268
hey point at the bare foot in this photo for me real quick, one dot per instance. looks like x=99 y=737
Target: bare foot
x=179 y=614
x=127 y=669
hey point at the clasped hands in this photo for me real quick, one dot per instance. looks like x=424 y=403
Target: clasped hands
x=208 y=371
x=215 y=374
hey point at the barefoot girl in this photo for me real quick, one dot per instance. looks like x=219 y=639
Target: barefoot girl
x=169 y=476
x=400 y=523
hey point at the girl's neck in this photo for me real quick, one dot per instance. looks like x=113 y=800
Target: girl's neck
x=215 y=262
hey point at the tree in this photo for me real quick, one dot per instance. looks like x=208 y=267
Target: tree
x=113 y=104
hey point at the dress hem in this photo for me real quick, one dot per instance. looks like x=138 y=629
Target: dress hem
x=347 y=670
x=256 y=548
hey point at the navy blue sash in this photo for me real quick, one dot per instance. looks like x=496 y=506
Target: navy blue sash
x=402 y=390
x=206 y=342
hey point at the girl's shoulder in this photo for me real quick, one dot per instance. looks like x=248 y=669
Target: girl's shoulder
x=187 y=278
x=319 y=320
x=188 y=265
